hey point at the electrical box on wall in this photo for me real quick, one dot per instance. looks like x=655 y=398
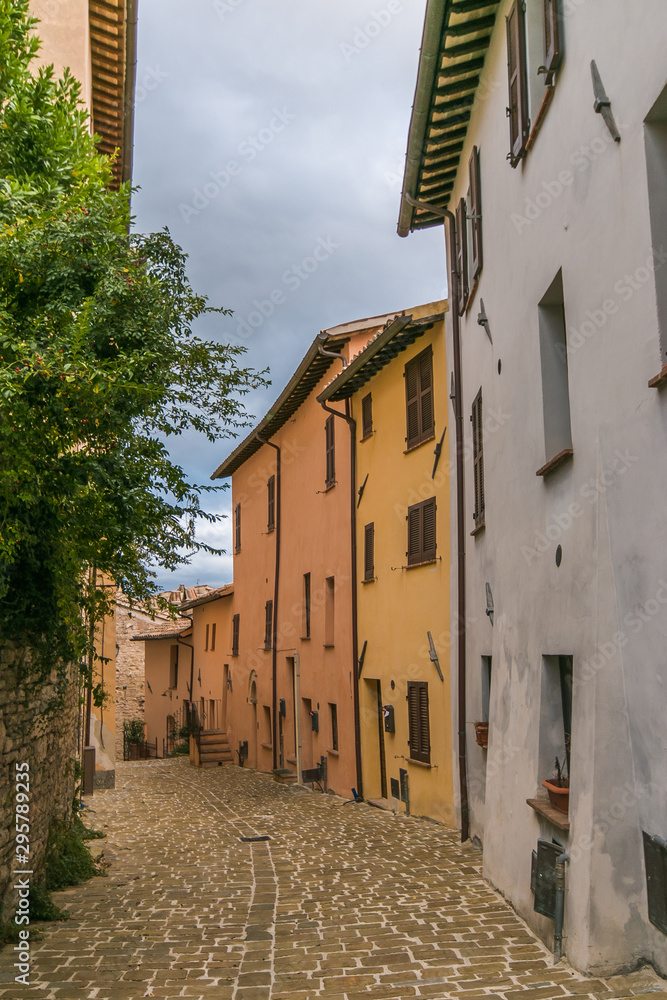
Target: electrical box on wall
x=543 y=877
x=655 y=859
x=389 y=723
x=283 y=707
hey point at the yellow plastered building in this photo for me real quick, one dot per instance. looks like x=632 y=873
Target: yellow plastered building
x=397 y=391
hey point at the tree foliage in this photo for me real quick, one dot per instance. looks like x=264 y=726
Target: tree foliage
x=99 y=366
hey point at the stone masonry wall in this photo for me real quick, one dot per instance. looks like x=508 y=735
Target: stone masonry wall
x=49 y=747
x=130 y=666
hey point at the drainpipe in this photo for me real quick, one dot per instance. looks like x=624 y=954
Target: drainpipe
x=353 y=548
x=460 y=511
x=559 y=914
x=297 y=717
x=276 y=586
x=129 y=88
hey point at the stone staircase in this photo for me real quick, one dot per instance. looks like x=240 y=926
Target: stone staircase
x=214 y=748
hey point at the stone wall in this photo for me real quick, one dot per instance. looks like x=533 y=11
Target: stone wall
x=49 y=746
x=130 y=665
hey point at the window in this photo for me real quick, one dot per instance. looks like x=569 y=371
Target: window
x=271 y=491
x=655 y=138
x=268 y=733
x=305 y=624
x=555 y=390
x=421 y=532
x=478 y=459
x=330 y=434
x=236 y=621
x=329 y=592
x=173 y=667
x=475 y=218
x=486 y=687
x=213 y=629
x=420 y=417
x=237 y=528
x=555 y=716
x=369 y=552
x=333 y=709
x=534 y=53
x=268 y=625
x=206 y=642
x=366 y=416
x=420 y=737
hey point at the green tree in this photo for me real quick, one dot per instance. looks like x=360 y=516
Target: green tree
x=99 y=366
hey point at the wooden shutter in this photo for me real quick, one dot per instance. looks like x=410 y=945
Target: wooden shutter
x=412 y=402
x=422 y=532
x=420 y=415
x=418 y=720
x=414 y=534
x=476 y=212
x=235 y=634
x=518 y=90
x=369 y=552
x=426 y=416
x=428 y=529
x=207 y=632
x=306 y=605
x=330 y=451
x=366 y=416
x=237 y=528
x=552 y=46
x=334 y=726
x=271 y=490
x=462 y=254
x=478 y=458
x=268 y=625
x=213 y=630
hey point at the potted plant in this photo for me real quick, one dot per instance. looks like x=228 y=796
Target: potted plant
x=558 y=787
x=133 y=731
x=481 y=734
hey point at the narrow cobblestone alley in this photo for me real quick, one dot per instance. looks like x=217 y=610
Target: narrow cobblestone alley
x=343 y=901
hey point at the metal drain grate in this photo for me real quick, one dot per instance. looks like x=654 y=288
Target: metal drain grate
x=254 y=840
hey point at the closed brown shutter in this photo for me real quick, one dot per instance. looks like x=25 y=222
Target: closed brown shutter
x=422 y=532
x=306 y=606
x=428 y=529
x=235 y=634
x=552 y=47
x=366 y=416
x=418 y=721
x=213 y=631
x=268 y=624
x=271 y=489
x=462 y=254
x=412 y=402
x=369 y=552
x=206 y=644
x=420 y=416
x=518 y=90
x=237 y=528
x=330 y=435
x=476 y=212
x=478 y=458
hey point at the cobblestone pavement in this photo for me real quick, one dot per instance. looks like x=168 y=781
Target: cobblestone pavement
x=343 y=902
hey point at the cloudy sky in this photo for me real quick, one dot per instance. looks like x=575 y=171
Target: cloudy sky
x=264 y=129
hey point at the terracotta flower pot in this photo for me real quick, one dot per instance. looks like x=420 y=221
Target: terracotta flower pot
x=482 y=734
x=559 y=795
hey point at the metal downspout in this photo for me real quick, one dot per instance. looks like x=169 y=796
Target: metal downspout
x=276 y=589
x=353 y=547
x=129 y=88
x=453 y=294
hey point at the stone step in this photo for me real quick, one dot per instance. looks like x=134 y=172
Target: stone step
x=205 y=740
x=216 y=763
x=215 y=755
x=284 y=776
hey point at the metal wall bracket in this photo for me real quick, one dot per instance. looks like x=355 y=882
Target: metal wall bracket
x=602 y=104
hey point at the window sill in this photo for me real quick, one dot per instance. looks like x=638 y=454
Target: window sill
x=371 y=579
x=471 y=294
x=267 y=746
x=304 y=638
x=544 y=808
x=418 y=444
x=555 y=462
x=366 y=437
x=478 y=529
x=329 y=486
x=270 y=529
x=419 y=763
x=333 y=753
x=329 y=645
x=426 y=562
x=291 y=760
x=659 y=380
